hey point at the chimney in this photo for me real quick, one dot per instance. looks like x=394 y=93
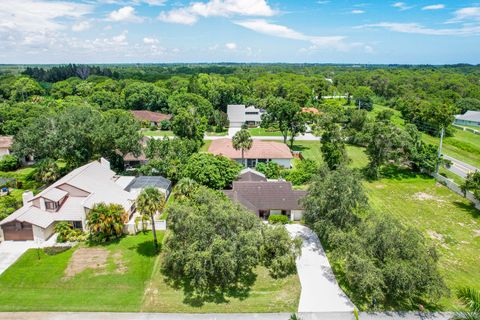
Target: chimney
x=105 y=163
x=27 y=196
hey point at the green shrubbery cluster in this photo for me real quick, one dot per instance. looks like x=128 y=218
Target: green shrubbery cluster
x=278 y=219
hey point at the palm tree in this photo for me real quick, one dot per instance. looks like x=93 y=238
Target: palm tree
x=184 y=188
x=470 y=297
x=106 y=221
x=242 y=140
x=149 y=202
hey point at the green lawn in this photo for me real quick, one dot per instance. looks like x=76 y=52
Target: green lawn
x=39 y=284
x=262 y=132
x=311 y=150
x=448 y=221
x=206 y=145
x=464 y=146
x=266 y=295
x=130 y=280
x=157 y=133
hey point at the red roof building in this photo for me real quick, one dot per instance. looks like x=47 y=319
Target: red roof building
x=149 y=116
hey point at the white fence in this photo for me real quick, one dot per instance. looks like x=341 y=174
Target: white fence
x=456 y=188
x=475 y=131
x=131 y=228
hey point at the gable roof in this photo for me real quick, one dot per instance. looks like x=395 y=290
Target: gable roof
x=469 y=116
x=260 y=150
x=236 y=112
x=6 y=142
x=266 y=195
x=99 y=184
x=145 y=115
x=249 y=174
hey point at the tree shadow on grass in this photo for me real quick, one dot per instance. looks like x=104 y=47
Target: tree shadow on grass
x=394 y=172
x=468 y=207
x=146 y=248
x=217 y=295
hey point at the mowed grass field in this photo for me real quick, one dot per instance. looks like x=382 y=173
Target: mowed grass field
x=122 y=276
x=448 y=221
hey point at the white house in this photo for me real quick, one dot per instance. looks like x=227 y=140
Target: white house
x=70 y=199
x=470 y=118
x=261 y=151
x=239 y=114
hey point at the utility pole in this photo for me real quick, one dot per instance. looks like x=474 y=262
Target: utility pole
x=442 y=133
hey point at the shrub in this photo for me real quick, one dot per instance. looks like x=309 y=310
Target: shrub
x=165 y=125
x=278 y=219
x=9 y=163
x=67 y=233
x=270 y=169
x=106 y=221
x=51 y=251
x=302 y=172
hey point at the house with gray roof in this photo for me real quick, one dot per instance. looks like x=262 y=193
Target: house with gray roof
x=266 y=198
x=239 y=114
x=469 y=118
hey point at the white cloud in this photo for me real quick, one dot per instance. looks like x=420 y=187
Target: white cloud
x=416 y=28
x=81 y=26
x=151 y=2
x=434 y=7
x=357 y=11
x=217 y=8
x=401 y=5
x=38 y=16
x=126 y=14
x=148 y=40
x=468 y=13
x=231 y=45
x=276 y=30
x=181 y=16
x=323 y=2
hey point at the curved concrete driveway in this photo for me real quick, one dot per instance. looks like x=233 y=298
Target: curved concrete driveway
x=320 y=290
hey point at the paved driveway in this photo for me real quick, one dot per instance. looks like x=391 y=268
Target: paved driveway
x=10 y=251
x=320 y=290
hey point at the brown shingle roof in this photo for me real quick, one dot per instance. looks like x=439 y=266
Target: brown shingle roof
x=145 y=115
x=263 y=195
x=260 y=150
x=6 y=141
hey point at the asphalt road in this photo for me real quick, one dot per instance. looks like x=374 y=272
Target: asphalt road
x=460 y=168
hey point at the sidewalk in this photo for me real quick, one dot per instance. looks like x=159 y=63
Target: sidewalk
x=229 y=316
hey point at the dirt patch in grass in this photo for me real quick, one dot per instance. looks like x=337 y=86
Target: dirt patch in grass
x=422 y=196
x=86 y=258
x=119 y=262
x=476 y=233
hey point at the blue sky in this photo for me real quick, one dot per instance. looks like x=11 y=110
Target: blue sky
x=123 y=31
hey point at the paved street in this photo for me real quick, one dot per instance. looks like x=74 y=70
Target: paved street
x=460 y=168
x=230 y=316
x=320 y=290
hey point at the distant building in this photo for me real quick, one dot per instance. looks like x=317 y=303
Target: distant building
x=153 y=118
x=261 y=151
x=5 y=145
x=470 y=118
x=239 y=114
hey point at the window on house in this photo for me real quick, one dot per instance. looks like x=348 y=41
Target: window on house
x=251 y=113
x=51 y=205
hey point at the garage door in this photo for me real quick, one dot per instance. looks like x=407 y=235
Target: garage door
x=17 y=231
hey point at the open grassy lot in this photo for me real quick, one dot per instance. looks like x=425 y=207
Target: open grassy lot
x=266 y=295
x=447 y=219
x=311 y=150
x=121 y=276
x=262 y=132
